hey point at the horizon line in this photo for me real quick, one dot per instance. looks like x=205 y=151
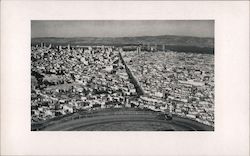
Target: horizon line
x=122 y=36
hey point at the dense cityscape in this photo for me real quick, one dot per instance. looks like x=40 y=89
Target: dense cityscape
x=70 y=79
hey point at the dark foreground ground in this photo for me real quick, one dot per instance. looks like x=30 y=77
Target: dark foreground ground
x=121 y=120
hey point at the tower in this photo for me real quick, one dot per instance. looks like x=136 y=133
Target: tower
x=138 y=49
x=68 y=47
x=163 y=47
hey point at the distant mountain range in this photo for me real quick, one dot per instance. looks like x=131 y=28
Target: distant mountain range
x=170 y=41
x=165 y=39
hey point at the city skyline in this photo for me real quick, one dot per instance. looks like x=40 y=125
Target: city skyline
x=160 y=83
x=121 y=28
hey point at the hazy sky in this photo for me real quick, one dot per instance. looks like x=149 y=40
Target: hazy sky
x=123 y=28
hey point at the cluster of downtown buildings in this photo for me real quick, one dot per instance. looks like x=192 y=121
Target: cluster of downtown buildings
x=69 y=79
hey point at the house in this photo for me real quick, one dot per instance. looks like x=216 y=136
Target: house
x=35 y=112
x=68 y=108
x=96 y=106
x=48 y=113
x=159 y=94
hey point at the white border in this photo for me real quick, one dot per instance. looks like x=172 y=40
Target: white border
x=231 y=135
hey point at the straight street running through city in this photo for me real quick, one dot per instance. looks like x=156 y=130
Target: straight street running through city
x=132 y=78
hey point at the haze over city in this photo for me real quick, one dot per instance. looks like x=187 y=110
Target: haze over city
x=121 y=28
x=122 y=75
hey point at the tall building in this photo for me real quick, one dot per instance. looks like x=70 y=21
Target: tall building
x=89 y=48
x=138 y=49
x=59 y=48
x=68 y=47
x=82 y=50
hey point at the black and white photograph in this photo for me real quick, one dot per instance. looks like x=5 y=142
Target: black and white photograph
x=122 y=75
x=124 y=78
